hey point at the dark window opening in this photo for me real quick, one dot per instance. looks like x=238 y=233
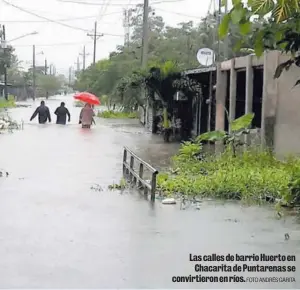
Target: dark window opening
x=204 y=109
x=240 y=94
x=258 y=80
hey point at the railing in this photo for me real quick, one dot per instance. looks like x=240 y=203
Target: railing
x=137 y=170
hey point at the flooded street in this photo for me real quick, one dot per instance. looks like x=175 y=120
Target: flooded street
x=56 y=232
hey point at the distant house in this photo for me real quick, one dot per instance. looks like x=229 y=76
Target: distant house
x=21 y=92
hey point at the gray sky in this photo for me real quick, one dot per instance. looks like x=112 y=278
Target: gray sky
x=61 y=45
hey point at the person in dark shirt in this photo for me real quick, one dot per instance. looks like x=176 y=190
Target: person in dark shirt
x=62 y=112
x=43 y=112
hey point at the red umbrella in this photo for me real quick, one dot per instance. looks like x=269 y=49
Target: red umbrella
x=87 y=98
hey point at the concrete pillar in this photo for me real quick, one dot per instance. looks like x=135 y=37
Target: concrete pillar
x=249 y=91
x=232 y=92
x=270 y=99
x=220 y=97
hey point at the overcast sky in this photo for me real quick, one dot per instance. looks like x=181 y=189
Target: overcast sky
x=61 y=45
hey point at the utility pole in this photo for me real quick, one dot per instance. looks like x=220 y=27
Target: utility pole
x=95 y=37
x=84 y=54
x=70 y=77
x=46 y=67
x=126 y=25
x=54 y=70
x=77 y=64
x=5 y=62
x=145 y=34
x=33 y=71
x=218 y=24
x=226 y=39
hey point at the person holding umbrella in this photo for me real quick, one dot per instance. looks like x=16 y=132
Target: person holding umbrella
x=86 y=117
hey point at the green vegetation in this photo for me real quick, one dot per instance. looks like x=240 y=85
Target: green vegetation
x=167 y=45
x=79 y=104
x=279 y=29
x=18 y=76
x=118 y=186
x=10 y=103
x=117 y=115
x=250 y=174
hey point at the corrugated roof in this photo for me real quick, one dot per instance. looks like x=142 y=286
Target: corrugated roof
x=200 y=70
x=2 y=84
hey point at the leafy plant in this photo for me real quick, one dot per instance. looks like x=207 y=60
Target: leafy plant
x=239 y=128
x=189 y=150
x=10 y=103
x=279 y=29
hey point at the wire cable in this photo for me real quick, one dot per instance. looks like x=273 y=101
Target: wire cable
x=51 y=20
x=115 y=4
x=177 y=13
x=61 y=20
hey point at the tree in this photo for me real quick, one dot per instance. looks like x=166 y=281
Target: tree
x=177 y=44
x=48 y=83
x=279 y=27
x=7 y=58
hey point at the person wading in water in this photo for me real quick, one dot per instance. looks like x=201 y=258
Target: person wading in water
x=62 y=112
x=86 y=116
x=43 y=112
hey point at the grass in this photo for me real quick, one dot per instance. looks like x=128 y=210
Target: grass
x=109 y=114
x=10 y=103
x=252 y=175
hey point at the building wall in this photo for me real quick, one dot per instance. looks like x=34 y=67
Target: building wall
x=287 y=126
x=280 y=127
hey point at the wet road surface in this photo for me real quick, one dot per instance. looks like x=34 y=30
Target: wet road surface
x=55 y=232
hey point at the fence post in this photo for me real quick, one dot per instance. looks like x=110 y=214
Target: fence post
x=131 y=167
x=153 y=186
x=141 y=173
x=124 y=160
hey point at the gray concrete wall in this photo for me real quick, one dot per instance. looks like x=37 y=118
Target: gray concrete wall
x=280 y=128
x=287 y=127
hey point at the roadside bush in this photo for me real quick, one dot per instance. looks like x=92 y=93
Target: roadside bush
x=254 y=175
x=79 y=104
x=117 y=115
x=10 y=103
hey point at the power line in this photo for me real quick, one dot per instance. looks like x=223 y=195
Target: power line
x=51 y=20
x=44 y=21
x=103 y=9
x=177 y=13
x=53 y=44
x=114 y=4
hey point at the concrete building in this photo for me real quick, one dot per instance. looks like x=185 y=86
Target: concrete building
x=246 y=84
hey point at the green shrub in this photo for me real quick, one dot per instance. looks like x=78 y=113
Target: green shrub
x=117 y=115
x=252 y=175
x=10 y=103
x=79 y=104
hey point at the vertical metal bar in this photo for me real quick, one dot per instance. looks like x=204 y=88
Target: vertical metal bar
x=124 y=160
x=153 y=186
x=141 y=173
x=131 y=167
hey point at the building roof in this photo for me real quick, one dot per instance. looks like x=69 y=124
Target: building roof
x=200 y=70
x=3 y=84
